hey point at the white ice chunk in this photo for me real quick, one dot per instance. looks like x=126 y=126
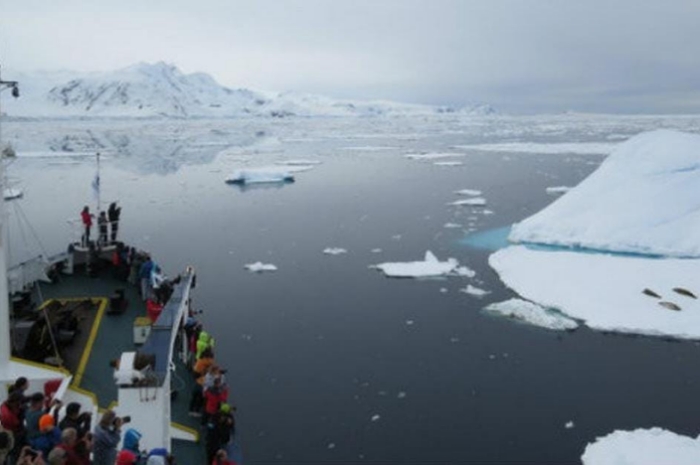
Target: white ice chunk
x=259 y=267
x=448 y=163
x=569 y=425
x=334 y=251
x=429 y=267
x=12 y=193
x=433 y=155
x=464 y=271
x=475 y=291
x=375 y=418
x=605 y=291
x=303 y=162
x=531 y=313
x=642 y=447
x=471 y=192
x=274 y=174
x=452 y=225
x=475 y=201
x=642 y=199
x=558 y=190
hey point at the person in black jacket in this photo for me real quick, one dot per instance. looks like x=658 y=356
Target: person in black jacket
x=113 y=213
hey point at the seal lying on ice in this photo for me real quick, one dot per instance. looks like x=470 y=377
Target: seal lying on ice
x=684 y=292
x=669 y=305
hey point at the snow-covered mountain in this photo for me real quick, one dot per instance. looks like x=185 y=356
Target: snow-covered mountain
x=161 y=90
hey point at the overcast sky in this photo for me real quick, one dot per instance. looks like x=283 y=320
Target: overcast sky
x=519 y=55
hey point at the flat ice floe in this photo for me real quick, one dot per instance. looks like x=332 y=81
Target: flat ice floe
x=580 y=148
x=448 y=163
x=531 y=313
x=300 y=162
x=475 y=291
x=470 y=192
x=259 y=267
x=430 y=267
x=433 y=155
x=642 y=199
x=558 y=190
x=643 y=447
x=473 y=202
x=607 y=291
x=334 y=251
x=266 y=174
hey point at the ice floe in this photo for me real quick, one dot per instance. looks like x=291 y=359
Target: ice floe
x=473 y=202
x=642 y=199
x=430 y=267
x=531 y=313
x=607 y=291
x=471 y=192
x=334 y=251
x=433 y=156
x=260 y=176
x=301 y=162
x=580 y=148
x=452 y=225
x=448 y=163
x=558 y=190
x=475 y=291
x=642 y=447
x=259 y=267
x=12 y=193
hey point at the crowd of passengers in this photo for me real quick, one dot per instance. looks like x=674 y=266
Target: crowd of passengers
x=36 y=430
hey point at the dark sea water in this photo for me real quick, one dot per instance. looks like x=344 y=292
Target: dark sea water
x=329 y=361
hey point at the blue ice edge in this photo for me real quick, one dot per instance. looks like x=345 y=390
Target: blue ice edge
x=496 y=239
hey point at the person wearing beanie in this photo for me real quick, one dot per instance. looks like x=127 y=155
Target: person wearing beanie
x=49 y=436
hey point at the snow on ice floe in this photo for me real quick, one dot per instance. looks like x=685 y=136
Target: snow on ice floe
x=334 y=251
x=555 y=190
x=579 y=148
x=266 y=174
x=472 y=202
x=452 y=225
x=448 y=163
x=531 y=313
x=430 y=267
x=606 y=292
x=475 y=291
x=12 y=193
x=470 y=192
x=259 y=267
x=642 y=447
x=642 y=199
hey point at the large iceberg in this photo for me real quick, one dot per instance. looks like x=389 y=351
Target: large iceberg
x=643 y=199
x=643 y=447
x=607 y=291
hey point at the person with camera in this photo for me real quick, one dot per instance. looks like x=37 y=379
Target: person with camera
x=106 y=438
x=75 y=419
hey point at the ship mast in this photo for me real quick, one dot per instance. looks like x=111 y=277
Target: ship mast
x=5 y=348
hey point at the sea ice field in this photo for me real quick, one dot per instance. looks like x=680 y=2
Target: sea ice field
x=336 y=352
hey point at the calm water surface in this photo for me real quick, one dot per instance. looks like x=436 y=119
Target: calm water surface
x=328 y=360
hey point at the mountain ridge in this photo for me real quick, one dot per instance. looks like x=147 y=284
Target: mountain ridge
x=161 y=90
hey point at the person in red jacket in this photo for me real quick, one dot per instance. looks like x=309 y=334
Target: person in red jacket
x=87 y=222
x=10 y=413
x=221 y=458
x=214 y=396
